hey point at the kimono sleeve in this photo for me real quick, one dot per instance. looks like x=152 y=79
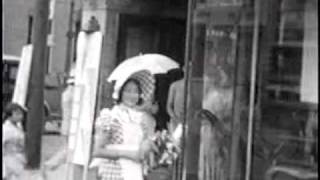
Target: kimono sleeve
x=103 y=125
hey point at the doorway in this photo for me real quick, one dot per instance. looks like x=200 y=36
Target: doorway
x=140 y=34
x=150 y=34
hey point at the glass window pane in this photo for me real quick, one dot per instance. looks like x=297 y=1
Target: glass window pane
x=286 y=89
x=217 y=36
x=289 y=98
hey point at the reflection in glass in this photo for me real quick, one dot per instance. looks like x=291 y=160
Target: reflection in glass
x=286 y=99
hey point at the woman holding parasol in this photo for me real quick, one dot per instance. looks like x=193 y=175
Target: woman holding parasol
x=122 y=133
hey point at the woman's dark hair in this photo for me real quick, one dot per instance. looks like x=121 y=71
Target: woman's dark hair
x=205 y=114
x=175 y=74
x=8 y=111
x=139 y=89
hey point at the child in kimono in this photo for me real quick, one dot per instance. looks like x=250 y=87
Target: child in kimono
x=13 y=150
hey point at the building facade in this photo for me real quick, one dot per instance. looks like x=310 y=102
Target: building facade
x=252 y=64
x=249 y=58
x=64 y=21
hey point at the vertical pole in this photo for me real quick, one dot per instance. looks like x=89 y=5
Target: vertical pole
x=187 y=63
x=252 y=86
x=35 y=104
x=69 y=41
x=239 y=74
x=69 y=54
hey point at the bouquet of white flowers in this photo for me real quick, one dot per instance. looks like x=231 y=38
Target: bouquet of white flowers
x=167 y=148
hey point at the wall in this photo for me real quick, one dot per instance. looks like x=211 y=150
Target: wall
x=15 y=25
x=15 y=29
x=15 y=33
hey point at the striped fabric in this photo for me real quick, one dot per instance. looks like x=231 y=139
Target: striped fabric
x=110 y=128
x=110 y=170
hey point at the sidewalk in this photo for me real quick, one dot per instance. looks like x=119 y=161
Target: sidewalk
x=51 y=144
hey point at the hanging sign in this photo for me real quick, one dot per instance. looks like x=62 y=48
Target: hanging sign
x=22 y=79
x=84 y=96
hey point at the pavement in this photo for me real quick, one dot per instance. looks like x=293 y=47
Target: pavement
x=51 y=143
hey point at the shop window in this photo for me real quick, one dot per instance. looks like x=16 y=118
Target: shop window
x=221 y=52
x=294 y=49
x=289 y=92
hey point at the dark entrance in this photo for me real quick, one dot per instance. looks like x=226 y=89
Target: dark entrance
x=151 y=34
x=140 y=34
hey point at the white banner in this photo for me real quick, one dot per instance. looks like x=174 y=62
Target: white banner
x=22 y=79
x=84 y=98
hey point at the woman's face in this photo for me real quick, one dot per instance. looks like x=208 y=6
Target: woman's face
x=17 y=115
x=130 y=94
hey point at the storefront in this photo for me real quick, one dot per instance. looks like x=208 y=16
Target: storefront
x=252 y=79
x=254 y=66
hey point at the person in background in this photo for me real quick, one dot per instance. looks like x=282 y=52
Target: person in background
x=66 y=105
x=13 y=140
x=161 y=96
x=175 y=103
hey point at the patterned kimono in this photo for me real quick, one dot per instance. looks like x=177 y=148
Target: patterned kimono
x=124 y=128
x=12 y=151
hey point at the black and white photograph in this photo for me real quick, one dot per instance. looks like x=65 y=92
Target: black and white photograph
x=160 y=89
